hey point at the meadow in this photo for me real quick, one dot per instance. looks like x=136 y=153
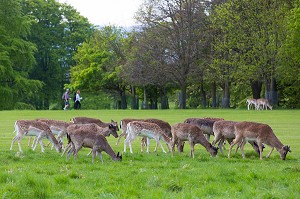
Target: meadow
x=33 y=174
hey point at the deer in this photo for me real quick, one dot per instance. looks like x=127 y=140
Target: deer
x=34 y=128
x=205 y=124
x=92 y=127
x=84 y=137
x=123 y=127
x=251 y=102
x=147 y=129
x=224 y=130
x=57 y=127
x=87 y=120
x=263 y=104
x=260 y=133
x=194 y=135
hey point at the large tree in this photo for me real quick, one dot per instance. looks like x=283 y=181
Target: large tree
x=182 y=24
x=16 y=56
x=98 y=63
x=58 y=31
x=247 y=43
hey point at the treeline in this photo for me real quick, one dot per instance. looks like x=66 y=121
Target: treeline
x=206 y=53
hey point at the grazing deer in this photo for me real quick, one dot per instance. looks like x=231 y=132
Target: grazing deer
x=107 y=131
x=88 y=120
x=123 y=127
x=145 y=129
x=57 y=127
x=263 y=104
x=193 y=134
x=260 y=133
x=205 y=124
x=83 y=137
x=251 y=102
x=34 y=128
x=224 y=130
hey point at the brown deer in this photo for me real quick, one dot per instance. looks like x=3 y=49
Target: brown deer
x=34 y=128
x=260 y=133
x=92 y=127
x=88 y=120
x=205 y=124
x=86 y=138
x=224 y=130
x=193 y=134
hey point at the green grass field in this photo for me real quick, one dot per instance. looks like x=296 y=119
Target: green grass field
x=33 y=174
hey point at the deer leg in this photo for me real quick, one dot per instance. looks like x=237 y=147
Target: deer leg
x=13 y=141
x=234 y=142
x=120 y=136
x=192 y=149
x=100 y=156
x=221 y=142
x=148 y=144
x=268 y=153
x=242 y=147
x=94 y=153
x=65 y=149
x=158 y=142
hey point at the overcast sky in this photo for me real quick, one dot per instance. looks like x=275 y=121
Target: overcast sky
x=107 y=12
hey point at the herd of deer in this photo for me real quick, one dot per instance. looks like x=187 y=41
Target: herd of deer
x=259 y=104
x=91 y=133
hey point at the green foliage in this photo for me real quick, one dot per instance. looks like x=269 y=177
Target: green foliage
x=58 y=30
x=33 y=174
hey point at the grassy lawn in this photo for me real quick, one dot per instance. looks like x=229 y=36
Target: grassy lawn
x=33 y=174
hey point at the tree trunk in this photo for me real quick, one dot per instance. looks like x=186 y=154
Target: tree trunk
x=271 y=92
x=123 y=99
x=203 y=96
x=145 y=103
x=214 y=95
x=256 y=87
x=164 y=99
x=226 y=95
x=134 y=98
x=182 y=97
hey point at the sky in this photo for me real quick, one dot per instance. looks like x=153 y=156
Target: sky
x=107 y=12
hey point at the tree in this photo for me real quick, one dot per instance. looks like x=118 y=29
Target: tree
x=99 y=61
x=248 y=42
x=182 y=23
x=16 y=56
x=58 y=31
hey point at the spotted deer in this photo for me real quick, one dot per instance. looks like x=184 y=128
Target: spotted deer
x=194 y=135
x=34 y=128
x=57 y=127
x=260 y=133
x=149 y=130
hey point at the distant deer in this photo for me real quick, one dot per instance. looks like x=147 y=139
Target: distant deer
x=260 y=133
x=251 y=102
x=263 y=104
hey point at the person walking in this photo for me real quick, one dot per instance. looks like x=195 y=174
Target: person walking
x=66 y=99
x=77 y=98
